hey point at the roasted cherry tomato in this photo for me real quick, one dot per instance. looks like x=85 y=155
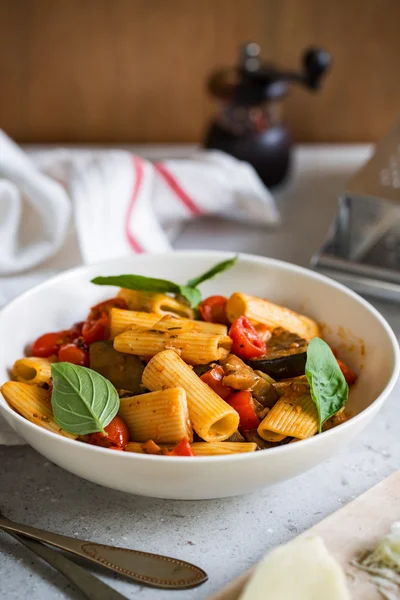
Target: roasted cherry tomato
x=246 y=343
x=73 y=353
x=49 y=343
x=349 y=375
x=117 y=435
x=182 y=449
x=242 y=403
x=76 y=330
x=97 y=325
x=213 y=378
x=96 y=330
x=212 y=309
x=105 y=307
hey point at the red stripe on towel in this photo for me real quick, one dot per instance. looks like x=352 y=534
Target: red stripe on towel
x=176 y=188
x=137 y=164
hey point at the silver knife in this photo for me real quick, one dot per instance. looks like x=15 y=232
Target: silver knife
x=155 y=570
x=88 y=584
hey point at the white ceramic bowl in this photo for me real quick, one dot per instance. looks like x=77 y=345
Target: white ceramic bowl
x=365 y=339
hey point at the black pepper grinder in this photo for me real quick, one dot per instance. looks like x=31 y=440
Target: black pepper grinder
x=249 y=124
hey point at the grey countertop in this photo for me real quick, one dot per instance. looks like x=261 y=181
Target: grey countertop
x=222 y=536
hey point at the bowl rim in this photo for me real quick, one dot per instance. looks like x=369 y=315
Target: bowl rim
x=217 y=255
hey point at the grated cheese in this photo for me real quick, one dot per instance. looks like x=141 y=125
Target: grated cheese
x=383 y=564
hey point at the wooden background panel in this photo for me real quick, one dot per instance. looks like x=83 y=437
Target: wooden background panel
x=135 y=70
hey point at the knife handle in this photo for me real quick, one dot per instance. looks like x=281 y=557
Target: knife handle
x=88 y=584
x=151 y=569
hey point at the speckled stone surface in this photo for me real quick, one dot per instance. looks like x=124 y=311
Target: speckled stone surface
x=222 y=536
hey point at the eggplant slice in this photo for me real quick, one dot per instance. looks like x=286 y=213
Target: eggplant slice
x=286 y=355
x=123 y=370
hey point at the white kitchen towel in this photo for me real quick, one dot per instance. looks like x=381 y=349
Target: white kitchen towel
x=119 y=203
x=104 y=204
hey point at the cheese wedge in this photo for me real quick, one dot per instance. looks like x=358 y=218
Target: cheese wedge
x=302 y=570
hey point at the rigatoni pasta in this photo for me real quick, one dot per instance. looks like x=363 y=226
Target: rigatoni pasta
x=135 y=447
x=170 y=322
x=222 y=448
x=293 y=416
x=267 y=435
x=33 y=403
x=33 y=370
x=162 y=416
x=212 y=418
x=202 y=448
x=258 y=310
x=155 y=303
x=121 y=320
x=195 y=347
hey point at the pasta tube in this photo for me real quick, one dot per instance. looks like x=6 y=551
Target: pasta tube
x=121 y=320
x=168 y=322
x=32 y=370
x=221 y=448
x=203 y=448
x=273 y=315
x=140 y=448
x=33 y=403
x=195 y=347
x=162 y=416
x=154 y=302
x=269 y=436
x=135 y=447
x=293 y=416
x=212 y=418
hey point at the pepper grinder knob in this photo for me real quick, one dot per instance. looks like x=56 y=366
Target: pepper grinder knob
x=249 y=58
x=316 y=63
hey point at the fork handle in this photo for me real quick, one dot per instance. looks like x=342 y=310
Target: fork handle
x=151 y=569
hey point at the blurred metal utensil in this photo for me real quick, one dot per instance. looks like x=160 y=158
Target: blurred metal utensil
x=88 y=584
x=155 y=570
x=362 y=249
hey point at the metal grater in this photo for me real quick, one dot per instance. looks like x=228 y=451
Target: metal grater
x=362 y=249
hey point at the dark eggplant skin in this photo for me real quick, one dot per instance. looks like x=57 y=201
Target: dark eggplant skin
x=123 y=370
x=286 y=355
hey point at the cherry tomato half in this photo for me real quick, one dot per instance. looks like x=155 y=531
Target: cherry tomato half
x=213 y=378
x=242 y=403
x=182 y=449
x=96 y=330
x=212 y=309
x=105 y=307
x=97 y=325
x=72 y=353
x=117 y=435
x=76 y=330
x=246 y=343
x=349 y=375
x=49 y=343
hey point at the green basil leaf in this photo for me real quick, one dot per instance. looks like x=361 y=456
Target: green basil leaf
x=328 y=386
x=192 y=295
x=163 y=286
x=83 y=401
x=218 y=268
x=139 y=283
